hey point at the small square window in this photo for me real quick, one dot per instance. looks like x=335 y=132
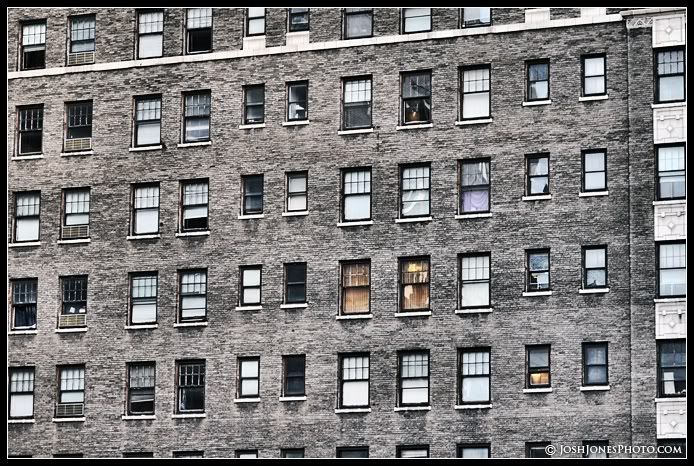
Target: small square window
x=358 y=22
x=298 y=19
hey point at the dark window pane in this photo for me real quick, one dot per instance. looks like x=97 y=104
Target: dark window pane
x=199 y=40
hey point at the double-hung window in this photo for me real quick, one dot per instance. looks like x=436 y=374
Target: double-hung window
x=594 y=72
x=33 y=46
x=143 y=298
x=473 y=17
x=415 y=190
x=355 y=287
x=537 y=169
x=145 y=209
x=24 y=299
x=30 y=137
x=595 y=364
x=416 y=97
x=252 y=194
x=476 y=88
x=475 y=289
x=196 y=117
x=190 y=387
x=538 y=368
x=594 y=170
x=297 y=101
x=295 y=283
x=412 y=451
x=474 y=450
x=254 y=104
x=194 y=205
x=21 y=399
x=251 y=285
x=538 y=270
x=141 y=378
x=79 y=126
x=356 y=111
x=416 y=20
x=150 y=34
x=671 y=172
x=475 y=378
x=297 y=192
x=76 y=213
x=249 y=377
x=255 y=21
x=358 y=22
x=413 y=378
x=672 y=368
x=354 y=380
x=356 y=194
x=294 y=375
x=594 y=267
x=414 y=284
x=298 y=19
x=193 y=296
x=27 y=214
x=475 y=186
x=670 y=73
x=672 y=269
x=537 y=80
x=199 y=30
x=147 y=121
x=74 y=309
x=82 y=34
x=70 y=391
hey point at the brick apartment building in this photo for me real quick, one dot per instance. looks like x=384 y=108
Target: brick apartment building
x=346 y=232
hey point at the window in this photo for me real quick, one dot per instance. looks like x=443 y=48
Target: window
x=356 y=194
x=670 y=70
x=475 y=290
x=249 y=377
x=76 y=213
x=292 y=453
x=594 y=170
x=196 y=117
x=30 y=130
x=294 y=375
x=416 y=97
x=475 y=379
x=79 y=124
x=355 y=287
x=352 y=452
x=482 y=450
x=297 y=101
x=475 y=186
x=145 y=209
x=143 y=298
x=82 y=32
x=247 y=454
x=537 y=450
x=538 y=366
x=254 y=104
x=138 y=454
x=415 y=191
x=671 y=172
x=150 y=34
x=70 y=391
x=194 y=205
x=33 y=46
x=672 y=448
x=538 y=174
x=413 y=451
x=295 y=283
x=297 y=192
x=255 y=21
x=141 y=378
x=416 y=20
x=476 y=17
x=356 y=104
x=476 y=97
x=354 y=380
x=414 y=284
x=298 y=19
x=24 y=293
x=358 y=23
x=538 y=270
x=193 y=296
x=199 y=30
x=672 y=368
x=594 y=267
x=147 y=121
x=538 y=80
x=595 y=364
x=413 y=380
x=595 y=449
x=252 y=194
x=188 y=454
x=190 y=387
x=21 y=393
x=672 y=269
x=251 y=279
x=74 y=302
x=594 y=82
x=27 y=216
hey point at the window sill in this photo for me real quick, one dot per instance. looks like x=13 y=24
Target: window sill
x=355 y=224
x=466 y=216
x=354 y=317
x=537 y=293
x=670 y=105
x=481 y=121
x=412 y=408
x=24 y=245
x=482 y=310
x=593 y=290
x=189 y=416
x=671 y=202
x=190 y=324
x=249 y=308
x=537 y=390
x=251 y=216
x=148 y=417
x=252 y=126
x=680 y=299
x=413 y=219
x=138 y=237
x=294 y=306
x=543 y=197
x=145 y=148
x=141 y=327
x=193 y=233
x=301 y=213
x=71 y=330
x=23 y=332
x=352 y=410
x=682 y=398
x=593 y=194
x=27 y=157
x=413 y=314
x=588 y=98
x=479 y=406
x=414 y=126
x=21 y=421
x=77 y=153
x=194 y=144
x=595 y=388
x=295 y=123
x=293 y=398
x=346 y=132
x=69 y=419
x=75 y=241
x=537 y=102
x=246 y=400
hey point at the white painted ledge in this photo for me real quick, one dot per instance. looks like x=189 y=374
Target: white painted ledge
x=293 y=398
x=539 y=197
x=682 y=399
x=145 y=149
x=249 y=308
x=354 y=317
x=189 y=416
x=352 y=410
x=294 y=306
x=537 y=390
x=414 y=126
x=138 y=237
x=671 y=202
x=412 y=408
x=148 y=417
x=346 y=132
x=251 y=216
x=253 y=126
x=23 y=332
x=77 y=153
x=594 y=194
x=194 y=144
x=298 y=213
x=682 y=299
x=537 y=293
x=595 y=388
x=670 y=105
x=71 y=330
x=593 y=97
x=466 y=216
x=481 y=121
x=594 y=291
x=190 y=324
x=193 y=233
x=28 y=244
x=75 y=241
x=295 y=123
x=355 y=224
x=21 y=421
x=246 y=400
x=141 y=327
x=484 y=310
x=27 y=157
x=413 y=219
x=413 y=314
x=536 y=103
x=479 y=406
x=69 y=419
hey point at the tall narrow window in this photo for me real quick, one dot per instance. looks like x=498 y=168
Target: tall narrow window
x=298 y=19
x=190 y=387
x=538 y=366
x=354 y=380
x=413 y=380
x=294 y=375
x=538 y=270
x=145 y=209
x=251 y=285
x=249 y=377
x=671 y=172
x=475 y=379
x=355 y=288
x=475 y=288
x=481 y=450
x=24 y=294
x=196 y=117
x=27 y=213
x=537 y=80
x=74 y=310
x=194 y=206
x=79 y=126
x=147 y=121
x=595 y=364
x=356 y=195
x=594 y=170
x=413 y=451
x=30 y=130
x=356 y=111
x=70 y=392
x=21 y=399
x=414 y=284
x=193 y=296
x=254 y=104
x=141 y=378
x=295 y=282
x=594 y=82
x=297 y=192
x=76 y=216
x=358 y=22
x=297 y=101
x=538 y=174
x=252 y=194
x=143 y=298
x=416 y=20
x=672 y=269
x=475 y=186
x=415 y=186
x=255 y=21
x=670 y=72
x=82 y=34
x=33 y=46
x=476 y=98
x=594 y=267
x=199 y=30
x=672 y=368
x=416 y=97
x=150 y=34
x=473 y=17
